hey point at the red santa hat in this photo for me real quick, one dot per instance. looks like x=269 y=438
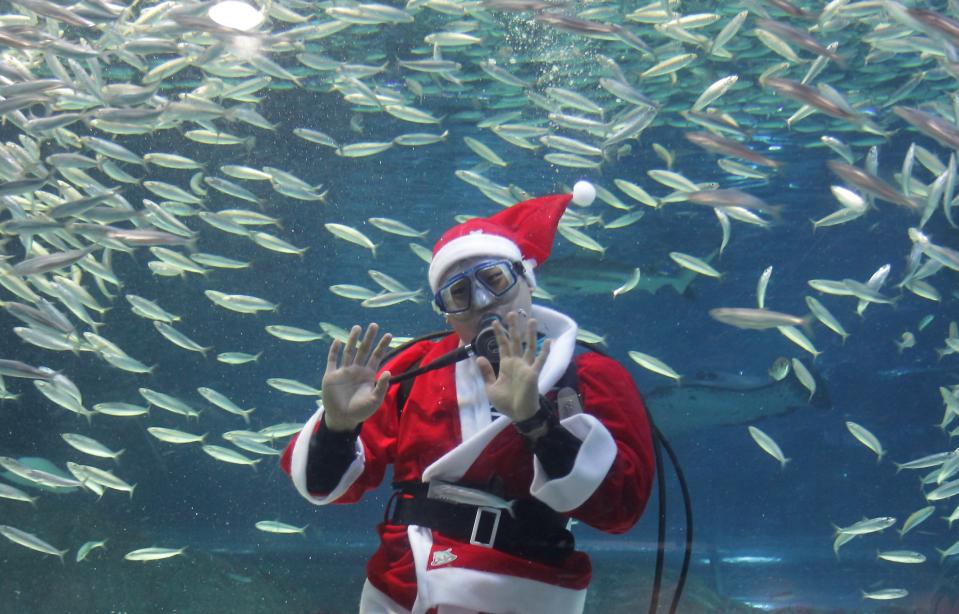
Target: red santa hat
x=521 y=233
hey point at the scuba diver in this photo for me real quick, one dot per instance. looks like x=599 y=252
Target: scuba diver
x=506 y=434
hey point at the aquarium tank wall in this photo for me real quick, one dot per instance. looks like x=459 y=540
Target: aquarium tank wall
x=198 y=198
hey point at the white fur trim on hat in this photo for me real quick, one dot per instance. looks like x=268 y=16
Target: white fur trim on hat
x=469 y=246
x=584 y=193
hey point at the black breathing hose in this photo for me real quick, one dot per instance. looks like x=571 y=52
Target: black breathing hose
x=661 y=534
x=688 y=506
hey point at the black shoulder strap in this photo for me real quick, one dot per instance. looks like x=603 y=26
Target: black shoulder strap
x=569 y=379
x=403 y=394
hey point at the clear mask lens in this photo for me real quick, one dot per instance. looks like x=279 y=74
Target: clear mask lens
x=456 y=295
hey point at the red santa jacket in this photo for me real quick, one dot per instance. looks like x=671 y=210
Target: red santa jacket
x=446 y=432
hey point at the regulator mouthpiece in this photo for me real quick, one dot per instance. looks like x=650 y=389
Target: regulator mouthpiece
x=485 y=342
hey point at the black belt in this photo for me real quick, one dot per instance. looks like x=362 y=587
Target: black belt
x=534 y=531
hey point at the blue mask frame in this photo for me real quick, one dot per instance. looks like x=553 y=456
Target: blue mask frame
x=443 y=297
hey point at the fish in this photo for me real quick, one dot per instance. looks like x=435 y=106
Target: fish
x=254 y=446
x=126 y=410
x=153 y=554
x=224 y=403
x=291 y=386
x=714 y=91
x=885 y=594
x=420 y=139
x=240 y=303
x=848 y=198
x=238 y=358
x=168 y=402
x=866 y=293
x=630 y=283
x=796 y=336
x=654 y=364
x=388 y=299
x=88 y=445
x=669 y=65
x=694 y=264
x=179 y=339
x=581 y=239
x=945 y=491
x=952 y=550
x=175 y=436
x=279 y=431
x=149 y=309
x=219 y=262
x=31 y=541
x=731 y=197
x=636 y=192
x=864 y=436
x=351 y=235
x=938 y=128
x=804 y=376
x=946 y=256
x=826 y=317
x=484 y=151
x=761 y=286
x=756 y=319
x=227 y=455
x=819 y=101
x=12 y=493
x=768 y=445
x=87 y=547
x=801 y=38
x=293 y=333
x=101 y=477
x=915 y=519
x=674 y=180
x=953 y=516
x=363 y=149
x=575 y=100
x=728 y=147
x=868 y=525
x=780 y=369
x=396 y=227
x=625 y=220
x=50 y=262
x=280 y=528
x=871 y=184
x=352 y=291
x=456 y=493
x=15 y=368
x=38 y=473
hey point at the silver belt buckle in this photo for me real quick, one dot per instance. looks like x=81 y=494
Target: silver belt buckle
x=476 y=523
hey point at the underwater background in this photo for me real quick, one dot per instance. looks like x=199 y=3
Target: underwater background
x=764 y=533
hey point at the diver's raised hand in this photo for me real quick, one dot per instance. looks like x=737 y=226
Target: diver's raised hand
x=351 y=392
x=514 y=391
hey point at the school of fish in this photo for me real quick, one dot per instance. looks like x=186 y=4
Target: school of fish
x=86 y=88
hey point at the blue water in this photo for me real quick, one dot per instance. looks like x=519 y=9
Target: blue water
x=763 y=534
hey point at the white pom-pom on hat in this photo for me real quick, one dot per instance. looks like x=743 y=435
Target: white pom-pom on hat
x=584 y=193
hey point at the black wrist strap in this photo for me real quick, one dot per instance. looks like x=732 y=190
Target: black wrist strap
x=545 y=415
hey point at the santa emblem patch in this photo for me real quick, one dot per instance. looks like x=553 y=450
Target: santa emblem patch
x=442 y=557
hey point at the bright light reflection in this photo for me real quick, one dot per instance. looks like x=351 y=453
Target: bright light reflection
x=755 y=560
x=235 y=14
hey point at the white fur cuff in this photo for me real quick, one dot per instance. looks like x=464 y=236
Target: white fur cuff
x=298 y=464
x=595 y=457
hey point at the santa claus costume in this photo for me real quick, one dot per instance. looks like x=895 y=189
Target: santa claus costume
x=467 y=550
